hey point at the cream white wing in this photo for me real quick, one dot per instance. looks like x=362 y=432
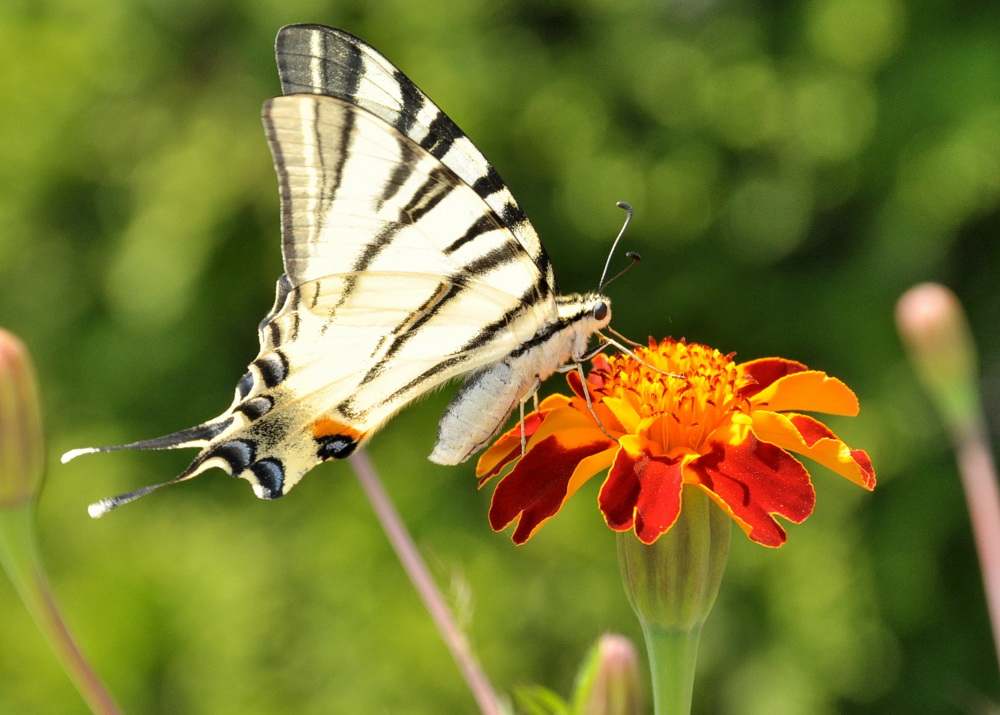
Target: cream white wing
x=314 y=59
x=359 y=196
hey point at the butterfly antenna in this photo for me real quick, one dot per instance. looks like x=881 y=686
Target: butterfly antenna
x=631 y=254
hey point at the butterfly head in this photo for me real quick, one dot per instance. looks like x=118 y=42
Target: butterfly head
x=587 y=309
x=580 y=316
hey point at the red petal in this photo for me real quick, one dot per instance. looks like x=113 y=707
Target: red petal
x=767 y=370
x=753 y=480
x=601 y=362
x=813 y=431
x=643 y=492
x=551 y=417
x=807 y=436
x=539 y=484
x=575 y=383
x=507 y=448
x=865 y=463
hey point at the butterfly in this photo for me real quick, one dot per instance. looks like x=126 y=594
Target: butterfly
x=408 y=263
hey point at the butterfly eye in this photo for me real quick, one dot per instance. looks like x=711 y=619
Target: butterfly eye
x=600 y=310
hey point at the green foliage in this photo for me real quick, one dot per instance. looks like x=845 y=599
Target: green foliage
x=794 y=167
x=536 y=700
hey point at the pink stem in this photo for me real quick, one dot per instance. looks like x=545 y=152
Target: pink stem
x=417 y=570
x=979 y=479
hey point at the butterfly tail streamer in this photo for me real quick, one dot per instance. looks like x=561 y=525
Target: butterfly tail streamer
x=199 y=437
x=102 y=507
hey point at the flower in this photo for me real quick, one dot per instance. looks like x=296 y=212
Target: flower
x=670 y=415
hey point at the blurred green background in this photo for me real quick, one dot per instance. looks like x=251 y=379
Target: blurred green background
x=794 y=167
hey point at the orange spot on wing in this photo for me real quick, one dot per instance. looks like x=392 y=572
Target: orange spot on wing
x=327 y=427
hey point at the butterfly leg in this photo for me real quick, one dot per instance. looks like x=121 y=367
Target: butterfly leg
x=533 y=393
x=622 y=338
x=578 y=366
x=590 y=355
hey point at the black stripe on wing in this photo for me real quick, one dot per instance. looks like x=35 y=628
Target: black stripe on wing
x=484 y=224
x=466 y=352
x=402 y=172
x=314 y=59
x=452 y=288
x=327 y=147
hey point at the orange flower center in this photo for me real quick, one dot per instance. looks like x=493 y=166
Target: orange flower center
x=681 y=393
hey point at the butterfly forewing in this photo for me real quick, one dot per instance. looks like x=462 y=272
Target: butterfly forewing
x=358 y=195
x=315 y=59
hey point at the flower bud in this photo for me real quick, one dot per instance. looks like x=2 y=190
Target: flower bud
x=934 y=330
x=609 y=684
x=22 y=457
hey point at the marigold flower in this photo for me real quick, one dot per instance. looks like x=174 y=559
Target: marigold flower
x=680 y=414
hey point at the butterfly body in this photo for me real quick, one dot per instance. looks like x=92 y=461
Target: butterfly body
x=489 y=395
x=407 y=264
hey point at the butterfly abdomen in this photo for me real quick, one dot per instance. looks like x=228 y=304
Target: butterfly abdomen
x=477 y=411
x=486 y=400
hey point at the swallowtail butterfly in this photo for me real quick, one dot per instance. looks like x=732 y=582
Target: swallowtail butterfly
x=407 y=263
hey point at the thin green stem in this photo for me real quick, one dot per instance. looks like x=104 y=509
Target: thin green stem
x=20 y=559
x=673 y=655
x=941 y=346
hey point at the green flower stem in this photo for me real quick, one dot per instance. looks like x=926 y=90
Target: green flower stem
x=673 y=655
x=672 y=585
x=20 y=559
x=982 y=495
